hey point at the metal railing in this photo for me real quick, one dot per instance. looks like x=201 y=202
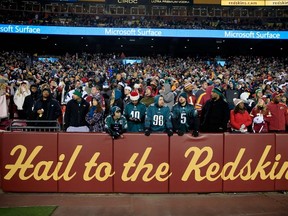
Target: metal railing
x=35 y=125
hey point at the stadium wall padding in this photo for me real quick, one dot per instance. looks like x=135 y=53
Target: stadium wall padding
x=95 y=163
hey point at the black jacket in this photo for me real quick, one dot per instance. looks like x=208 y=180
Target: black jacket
x=52 y=109
x=29 y=104
x=215 y=116
x=75 y=113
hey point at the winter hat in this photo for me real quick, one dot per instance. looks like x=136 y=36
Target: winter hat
x=149 y=87
x=258 y=90
x=218 y=81
x=137 y=86
x=183 y=94
x=115 y=109
x=78 y=93
x=244 y=96
x=275 y=94
x=217 y=91
x=121 y=84
x=46 y=89
x=134 y=96
x=187 y=85
x=128 y=88
x=237 y=101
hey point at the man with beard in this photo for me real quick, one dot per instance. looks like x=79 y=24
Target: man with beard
x=29 y=103
x=215 y=113
x=46 y=108
x=185 y=117
x=158 y=117
x=279 y=114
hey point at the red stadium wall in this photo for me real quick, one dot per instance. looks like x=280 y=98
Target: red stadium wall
x=78 y=162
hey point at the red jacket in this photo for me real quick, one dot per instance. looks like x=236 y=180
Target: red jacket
x=258 y=127
x=279 y=117
x=236 y=120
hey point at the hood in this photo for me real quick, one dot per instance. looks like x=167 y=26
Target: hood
x=209 y=90
x=167 y=88
x=156 y=100
x=118 y=94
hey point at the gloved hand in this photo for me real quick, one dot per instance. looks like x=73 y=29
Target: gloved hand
x=65 y=126
x=170 y=132
x=147 y=132
x=242 y=127
x=180 y=133
x=137 y=120
x=116 y=135
x=195 y=133
x=132 y=119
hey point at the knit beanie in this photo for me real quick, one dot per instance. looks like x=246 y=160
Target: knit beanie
x=183 y=94
x=115 y=109
x=150 y=88
x=258 y=90
x=217 y=91
x=77 y=92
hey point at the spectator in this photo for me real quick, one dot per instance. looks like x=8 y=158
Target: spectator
x=230 y=94
x=95 y=116
x=188 y=87
x=185 y=117
x=95 y=93
x=30 y=101
x=215 y=113
x=158 y=118
x=135 y=113
x=19 y=98
x=46 y=108
x=279 y=112
x=115 y=100
x=258 y=95
x=115 y=123
x=260 y=117
x=203 y=98
x=204 y=85
x=148 y=99
x=168 y=95
x=239 y=117
x=76 y=110
x=3 y=99
x=248 y=102
x=126 y=100
x=78 y=87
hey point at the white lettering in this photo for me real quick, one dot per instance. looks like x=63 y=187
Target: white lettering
x=27 y=29
x=8 y=29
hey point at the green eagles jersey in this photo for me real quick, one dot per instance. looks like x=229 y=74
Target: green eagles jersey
x=185 y=118
x=135 y=116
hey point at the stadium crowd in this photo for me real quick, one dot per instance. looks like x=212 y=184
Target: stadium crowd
x=96 y=93
x=131 y=21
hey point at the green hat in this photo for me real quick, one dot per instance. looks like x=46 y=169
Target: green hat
x=217 y=91
x=258 y=90
x=78 y=93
